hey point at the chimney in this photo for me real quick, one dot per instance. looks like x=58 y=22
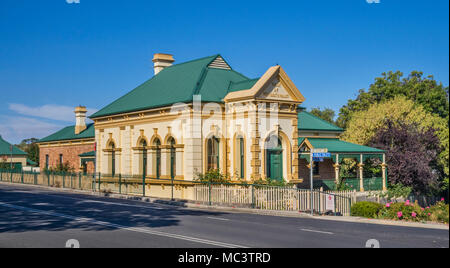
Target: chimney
x=162 y=61
x=80 y=116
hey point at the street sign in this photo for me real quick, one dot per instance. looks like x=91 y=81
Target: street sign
x=317 y=159
x=329 y=205
x=320 y=150
x=322 y=155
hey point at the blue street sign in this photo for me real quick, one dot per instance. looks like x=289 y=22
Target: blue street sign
x=322 y=155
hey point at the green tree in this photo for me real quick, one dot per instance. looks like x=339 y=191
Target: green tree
x=426 y=91
x=326 y=114
x=31 y=148
x=364 y=125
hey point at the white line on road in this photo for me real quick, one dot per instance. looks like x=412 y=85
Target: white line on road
x=132 y=229
x=219 y=219
x=315 y=231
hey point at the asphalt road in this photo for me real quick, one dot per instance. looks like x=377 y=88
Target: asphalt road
x=35 y=217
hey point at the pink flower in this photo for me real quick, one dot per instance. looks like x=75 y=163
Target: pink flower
x=399 y=214
x=407 y=202
x=388 y=205
x=428 y=207
x=429 y=214
x=422 y=209
x=442 y=199
x=413 y=214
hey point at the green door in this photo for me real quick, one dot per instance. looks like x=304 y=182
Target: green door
x=275 y=164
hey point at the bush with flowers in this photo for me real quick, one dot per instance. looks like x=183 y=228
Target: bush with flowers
x=408 y=211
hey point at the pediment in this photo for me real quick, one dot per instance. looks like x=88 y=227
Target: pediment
x=273 y=85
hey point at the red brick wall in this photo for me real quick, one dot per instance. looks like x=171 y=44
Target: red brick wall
x=326 y=171
x=70 y=155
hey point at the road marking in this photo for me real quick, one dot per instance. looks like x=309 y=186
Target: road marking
x=132 y=229
x=315 y=231
x=219 y=219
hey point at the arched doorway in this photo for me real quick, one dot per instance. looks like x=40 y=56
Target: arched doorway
x=274 y=158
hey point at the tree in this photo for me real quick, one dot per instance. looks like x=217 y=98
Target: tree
x=31 y=148
x=411 y=154
x=433 y=97
x=327 y=114
x=364 y=126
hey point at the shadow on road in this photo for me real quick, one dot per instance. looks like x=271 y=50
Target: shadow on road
x=121 y=212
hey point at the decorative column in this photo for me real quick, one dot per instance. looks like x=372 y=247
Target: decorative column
x=165 y=162
x=383 y=173
x=179 y=173
x=361 y=174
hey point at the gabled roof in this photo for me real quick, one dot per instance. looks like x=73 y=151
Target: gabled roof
x=337 y=146
x=209 y=77
x=5 y=148
x=256 y=88
x=307 y=121
x=68 y=133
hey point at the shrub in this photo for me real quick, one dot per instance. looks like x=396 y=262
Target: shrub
x=403 y=211
x=366 y=209
x=213 y=176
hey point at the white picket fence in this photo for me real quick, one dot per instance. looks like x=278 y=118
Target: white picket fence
x=273 y=198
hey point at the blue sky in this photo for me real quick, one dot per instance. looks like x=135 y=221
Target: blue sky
x=55 y=56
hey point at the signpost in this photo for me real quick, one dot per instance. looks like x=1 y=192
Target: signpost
x=330 y=203
x=317 y=155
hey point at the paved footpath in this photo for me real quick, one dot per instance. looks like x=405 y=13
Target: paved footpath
x=37 y=217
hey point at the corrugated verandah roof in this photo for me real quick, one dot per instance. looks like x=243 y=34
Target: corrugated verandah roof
x=5 y=148
x=308 y=121
x=176 y=84
x=339 y=146
x=68 y=133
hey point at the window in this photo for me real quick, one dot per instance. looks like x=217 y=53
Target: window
x=46 y=161
x=212 y=154
x=61 y=159
x=157 y=145
x=241 y=164
x=172 y=158
x=144 y=158
x=112 y=158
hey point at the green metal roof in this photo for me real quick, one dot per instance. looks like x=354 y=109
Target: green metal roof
x=307 y=121
x=88 y=154
x=31 y=162
x=6 y=146
x=68 y=133
x=176 y=84
x=339 y=146
x=243 y=85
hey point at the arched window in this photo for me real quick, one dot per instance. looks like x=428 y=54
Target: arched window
x=212 y=149
x=240 y=153
x=157 y=169
x=143 y=161
x=112 y=159
x=172 y=157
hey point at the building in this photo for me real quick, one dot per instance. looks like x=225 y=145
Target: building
x=13 y=157
x=72 y=145
x=202 y=115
